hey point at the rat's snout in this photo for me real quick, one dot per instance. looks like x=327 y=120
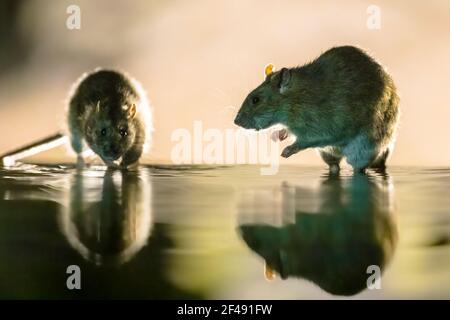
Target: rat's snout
x=237 y=120
x=113 y=152
x=241 y=120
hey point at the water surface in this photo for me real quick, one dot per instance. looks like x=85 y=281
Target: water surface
x=223 y=232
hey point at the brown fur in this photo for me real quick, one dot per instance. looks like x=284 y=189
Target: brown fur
x=104 y=113
x=343 y=101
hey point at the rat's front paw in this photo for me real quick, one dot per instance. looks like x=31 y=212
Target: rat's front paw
x=129 y=166
x=290 y=150
x=111 y=164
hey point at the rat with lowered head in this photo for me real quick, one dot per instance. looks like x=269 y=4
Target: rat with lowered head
x=343 y=103
x=109 y=111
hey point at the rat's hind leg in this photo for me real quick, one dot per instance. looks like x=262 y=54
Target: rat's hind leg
x=361 y=153
x=76 y=136
x=380 y=160
x=332 y=156
x=76 y=142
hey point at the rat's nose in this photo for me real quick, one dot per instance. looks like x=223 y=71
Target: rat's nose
x=242 y=120
x=237 y=120
x=114 y=150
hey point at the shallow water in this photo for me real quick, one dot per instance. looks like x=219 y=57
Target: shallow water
x=208 y=232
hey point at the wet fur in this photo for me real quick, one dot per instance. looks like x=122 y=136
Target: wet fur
x=343 y=103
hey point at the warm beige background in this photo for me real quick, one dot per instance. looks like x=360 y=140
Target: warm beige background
x=198 y=60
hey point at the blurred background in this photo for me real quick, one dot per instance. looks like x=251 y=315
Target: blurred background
x=198 y=60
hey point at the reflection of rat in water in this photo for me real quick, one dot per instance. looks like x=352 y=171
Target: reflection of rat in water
x=343 y=103
x=334 y=247
x=108 y=219
x=109 y=111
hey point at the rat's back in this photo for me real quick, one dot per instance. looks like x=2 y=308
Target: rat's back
x=110 y=87
x=362 y=97
x=350 y=79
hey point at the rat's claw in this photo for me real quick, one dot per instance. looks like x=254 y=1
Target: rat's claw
x=129 y=166
x=286 y=153
x=111 y=164
x=279 y=135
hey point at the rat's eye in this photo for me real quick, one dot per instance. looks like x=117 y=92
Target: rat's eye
x=255 y=100
x=123 y=132
x=103 y=132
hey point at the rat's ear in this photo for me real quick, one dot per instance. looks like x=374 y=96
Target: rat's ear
x=268 y=70
x=97 y=107
x=131 y=112
x=285 y=80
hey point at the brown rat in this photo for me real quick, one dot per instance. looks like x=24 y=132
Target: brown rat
x=108 y=110
x=343 y=103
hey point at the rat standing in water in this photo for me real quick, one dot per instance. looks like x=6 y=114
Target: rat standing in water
x=343 y=103
x=109 y=111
